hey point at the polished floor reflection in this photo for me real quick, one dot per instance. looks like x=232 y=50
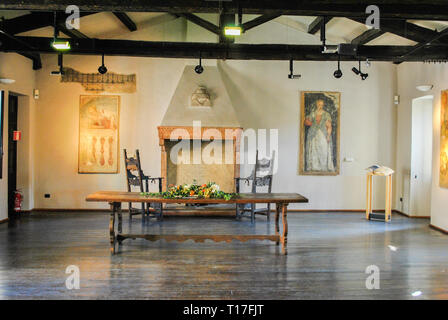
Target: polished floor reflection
x=327 y=258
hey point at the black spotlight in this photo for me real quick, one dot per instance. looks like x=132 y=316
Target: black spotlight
x=291 y=74
x=102 y=69
x=199 y=69
x=356 y=71
x=338 y=73
x=61 y=66
x=359 y=72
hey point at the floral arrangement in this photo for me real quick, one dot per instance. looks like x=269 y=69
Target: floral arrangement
x=206 y=191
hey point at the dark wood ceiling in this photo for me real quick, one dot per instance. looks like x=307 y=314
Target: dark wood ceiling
x=395 y=16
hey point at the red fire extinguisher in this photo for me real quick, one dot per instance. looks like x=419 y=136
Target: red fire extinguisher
x=18 y=201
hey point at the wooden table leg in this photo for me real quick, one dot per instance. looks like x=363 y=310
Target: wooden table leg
x=284 y=238
x=277 y=216
x=388 y=198
x=368 y=197
x=113 y=207
x=120 y=218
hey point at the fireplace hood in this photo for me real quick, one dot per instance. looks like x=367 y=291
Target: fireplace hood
x=201 y=97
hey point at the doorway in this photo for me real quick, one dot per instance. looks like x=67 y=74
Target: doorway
x=12 y=152
x=421 y=156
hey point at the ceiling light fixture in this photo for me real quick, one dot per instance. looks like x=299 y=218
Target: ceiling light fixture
x=291 y=74
x=425 y=88
x=338 y=73
x=233 y=31
x=7 y=81
x=59 y=44
x=199 y=69
x=102 y=69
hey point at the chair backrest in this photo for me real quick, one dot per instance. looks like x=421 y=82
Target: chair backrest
x=134 y=173
x=263 y=172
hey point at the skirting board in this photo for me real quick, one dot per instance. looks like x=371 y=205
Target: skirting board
x=4 y=220
x=438 y=229
x=412 y=217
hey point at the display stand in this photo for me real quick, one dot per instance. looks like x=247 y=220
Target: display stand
x=388 y=210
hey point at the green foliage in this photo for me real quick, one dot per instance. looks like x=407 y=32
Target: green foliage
x=206 y=191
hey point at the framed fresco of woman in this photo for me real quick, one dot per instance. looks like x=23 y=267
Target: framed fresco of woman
x=319 y=133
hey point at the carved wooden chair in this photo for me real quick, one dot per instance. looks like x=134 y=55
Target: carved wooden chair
x=261 y=176
x=136 y=178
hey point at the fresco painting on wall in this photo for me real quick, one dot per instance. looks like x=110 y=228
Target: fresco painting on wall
x=98 y=134
x=319 y=133
x=444 y=140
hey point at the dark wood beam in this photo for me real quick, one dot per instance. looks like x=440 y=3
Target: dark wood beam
x=403 y=9
x=422 y=45
x=200 y=22
x=258 y=21
x=367 y=36
x=27 y=22
x=72 y=33
x=126 y=20
x=36 y=20
x=34 y=56
x=221 y=50
x=405 y=29
x=316 y=25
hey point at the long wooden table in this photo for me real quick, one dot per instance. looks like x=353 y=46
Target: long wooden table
x=116 y=198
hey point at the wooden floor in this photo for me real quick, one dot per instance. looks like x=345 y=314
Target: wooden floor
x=327 y=258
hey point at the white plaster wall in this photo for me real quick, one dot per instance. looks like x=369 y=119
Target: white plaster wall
x=16 y=67
x=409 y=76
x=263 y=97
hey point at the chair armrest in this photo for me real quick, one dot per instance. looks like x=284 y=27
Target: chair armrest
x=159 y=179
x=237 y=183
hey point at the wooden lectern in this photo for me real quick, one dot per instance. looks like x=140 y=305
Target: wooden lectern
x=384 y=172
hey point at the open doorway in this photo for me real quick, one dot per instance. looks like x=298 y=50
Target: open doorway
x=13 y=109
x=421 y=156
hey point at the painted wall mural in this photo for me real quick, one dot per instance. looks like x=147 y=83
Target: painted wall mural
x=444 y=140
x=98 y=83
x=98 y=134
x=319 y=133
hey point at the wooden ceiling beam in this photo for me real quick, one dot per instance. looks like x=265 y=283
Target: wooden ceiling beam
x=316 y=25
x=72 y=33
x=406 y=30
x=396 y=9
x=27 y=22
x=34 y=56
x=221 y=50
x=200 y=22
x=36 y=20
x=258 y=21
x=126 y=20
x=367 y=36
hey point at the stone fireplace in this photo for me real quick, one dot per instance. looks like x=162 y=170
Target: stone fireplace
x=200 y=98
x=221 y=173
